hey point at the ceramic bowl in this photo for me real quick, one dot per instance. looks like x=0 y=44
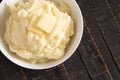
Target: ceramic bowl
x=75 y=40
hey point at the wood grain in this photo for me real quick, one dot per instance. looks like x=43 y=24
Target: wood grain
x=93 y=61
x=97 y=57
x=76 y=68
x=94 y=11
x=114 y=6
x=9 y=71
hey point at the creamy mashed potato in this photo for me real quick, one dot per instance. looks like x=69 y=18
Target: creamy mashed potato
x=38 y=30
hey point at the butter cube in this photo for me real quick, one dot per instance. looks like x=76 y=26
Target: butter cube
x=46 y=23
x=32 y=27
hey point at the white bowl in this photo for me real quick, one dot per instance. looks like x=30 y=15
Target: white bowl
x=75 y=40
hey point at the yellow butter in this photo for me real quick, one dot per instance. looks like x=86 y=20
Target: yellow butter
x=46 y=23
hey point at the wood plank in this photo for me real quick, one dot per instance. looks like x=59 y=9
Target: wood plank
x=109 y=28
x=76 y=68
x=93 y=62
x=86 y=37
x=114 y=6
x=10 y=71
x=90 y=9
x=56 y=73
x=33 y=74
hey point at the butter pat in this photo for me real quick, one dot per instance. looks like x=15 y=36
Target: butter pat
x=46 y=23
x=39 y=30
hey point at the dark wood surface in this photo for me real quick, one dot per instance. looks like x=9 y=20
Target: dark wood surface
x=97 y=57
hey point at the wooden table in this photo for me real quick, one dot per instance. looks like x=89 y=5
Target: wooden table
x=97 y=57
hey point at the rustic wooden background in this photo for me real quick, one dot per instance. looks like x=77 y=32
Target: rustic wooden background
x=97 y=57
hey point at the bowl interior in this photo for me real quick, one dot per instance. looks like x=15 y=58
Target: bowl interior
x=75 y=40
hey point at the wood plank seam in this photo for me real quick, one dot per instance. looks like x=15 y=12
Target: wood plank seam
x=99 y=74
x=108 y=47
x=86 y=44
x=107 y=70
x=111 y=11
x=65 y=71
x=50 y=73
x=77 y=74
x=114 y=35
x=110 y=51
x=104 y=40
x=85 y=65
x=75 y=66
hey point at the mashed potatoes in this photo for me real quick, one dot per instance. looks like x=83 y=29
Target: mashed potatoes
x=38 y=30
